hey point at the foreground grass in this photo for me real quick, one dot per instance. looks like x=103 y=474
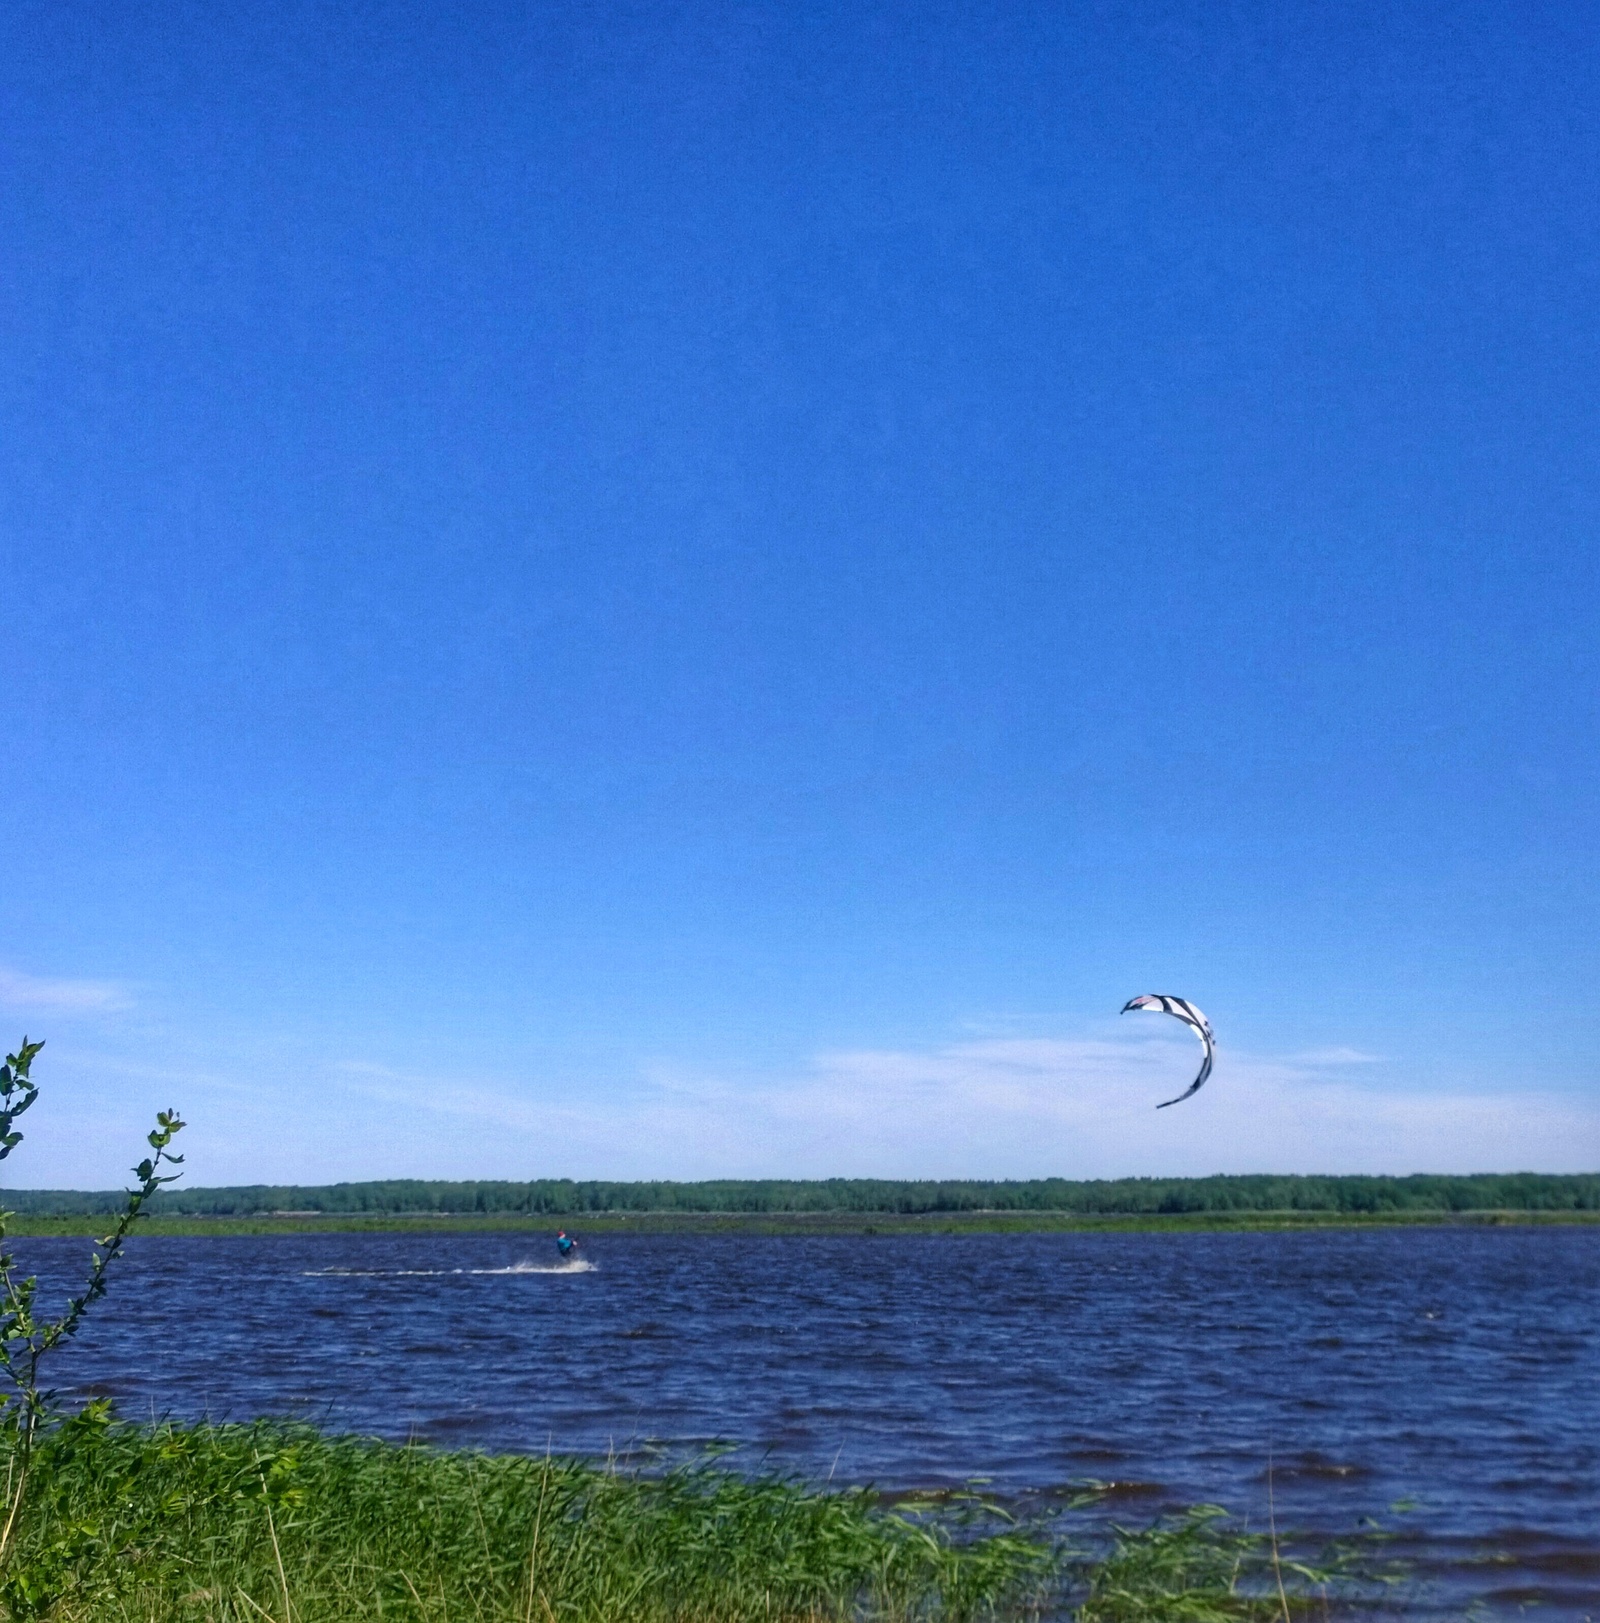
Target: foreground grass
x=234 y=1524
x=701 y=1223
x=245 y=1522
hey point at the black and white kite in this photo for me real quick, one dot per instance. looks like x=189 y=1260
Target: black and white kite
x=1180 y=1009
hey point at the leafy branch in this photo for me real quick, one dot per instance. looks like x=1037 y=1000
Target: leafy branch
x=26 y=1338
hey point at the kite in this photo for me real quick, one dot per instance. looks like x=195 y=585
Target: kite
x=1180 y=1009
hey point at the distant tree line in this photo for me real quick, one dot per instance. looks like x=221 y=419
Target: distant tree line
x=563 y=1197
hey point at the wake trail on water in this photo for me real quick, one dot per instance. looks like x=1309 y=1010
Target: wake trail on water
x=442 y=1273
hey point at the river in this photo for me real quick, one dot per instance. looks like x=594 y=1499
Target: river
x=1442 y=1382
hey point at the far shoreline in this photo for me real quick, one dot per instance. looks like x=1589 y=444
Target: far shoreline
x=856 y=1224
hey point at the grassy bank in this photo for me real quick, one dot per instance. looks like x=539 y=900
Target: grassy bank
x=844 y=1223
x=237 y=1524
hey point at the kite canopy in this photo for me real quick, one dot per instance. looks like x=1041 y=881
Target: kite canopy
x=1180 y=1009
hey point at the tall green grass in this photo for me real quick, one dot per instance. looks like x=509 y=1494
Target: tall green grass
x=236 y=1524
x=245 y=1522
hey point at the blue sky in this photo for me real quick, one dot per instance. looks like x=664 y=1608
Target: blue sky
x=643 y=590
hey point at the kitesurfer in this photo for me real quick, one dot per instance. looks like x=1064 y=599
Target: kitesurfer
x=566 y=1245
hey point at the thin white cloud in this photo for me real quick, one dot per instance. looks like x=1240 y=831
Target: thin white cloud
x=1335 y=1056
x=35 y=994
x=1003 y=1107
x=991 y=1107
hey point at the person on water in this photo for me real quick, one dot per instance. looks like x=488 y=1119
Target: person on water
x=566 y=1245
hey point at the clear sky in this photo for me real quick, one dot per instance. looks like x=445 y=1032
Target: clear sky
x=671 y=590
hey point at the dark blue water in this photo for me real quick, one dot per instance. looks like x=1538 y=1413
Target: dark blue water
x=1445 y=1382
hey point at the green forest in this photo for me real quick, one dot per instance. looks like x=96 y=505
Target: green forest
x=1423 y=1192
